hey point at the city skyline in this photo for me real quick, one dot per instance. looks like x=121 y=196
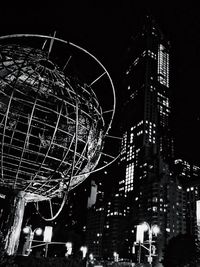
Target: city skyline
x=184 y=69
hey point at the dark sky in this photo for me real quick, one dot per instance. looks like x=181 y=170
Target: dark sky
x=104 y=28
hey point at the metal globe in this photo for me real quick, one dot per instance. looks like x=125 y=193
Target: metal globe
x=51 y=125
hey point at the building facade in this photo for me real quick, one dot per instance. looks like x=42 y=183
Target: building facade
x=147 y=183
x=95 y=219
x=148 y=186
x=188 y=174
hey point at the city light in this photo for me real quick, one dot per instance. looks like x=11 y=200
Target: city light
x=29 y=239
x=48 y=234
x=38 y=231
x=26 y=229
x=140 y=233
x=152 y=230
x=84 y=251
x=155 y=229
x=91 y=257
x=116 y=256
x=69 y=249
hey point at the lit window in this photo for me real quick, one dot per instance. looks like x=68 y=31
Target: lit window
x=154 y=209
x=155 y=199
x=163 y=66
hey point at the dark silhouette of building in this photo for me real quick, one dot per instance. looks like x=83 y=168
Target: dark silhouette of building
x=188 y=174
x=147 y=190
x=95 y=219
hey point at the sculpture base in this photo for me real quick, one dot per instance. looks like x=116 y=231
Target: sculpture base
x=11 y=220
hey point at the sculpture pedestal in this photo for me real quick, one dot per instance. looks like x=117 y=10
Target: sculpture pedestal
x=11 y=226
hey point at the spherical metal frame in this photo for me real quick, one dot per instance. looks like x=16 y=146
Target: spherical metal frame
x=107 y=113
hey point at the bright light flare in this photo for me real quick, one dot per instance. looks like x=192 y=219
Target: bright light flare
x=91 y=256
x=69 y=248
x=48 y=234
x=84 y=251
x=155 y=230
x=145 y=226
x=27 y=230
x=38 y=231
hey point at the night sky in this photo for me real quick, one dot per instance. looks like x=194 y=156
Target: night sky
x=104 y=29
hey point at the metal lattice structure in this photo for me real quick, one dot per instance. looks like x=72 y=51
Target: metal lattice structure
x=52 y=125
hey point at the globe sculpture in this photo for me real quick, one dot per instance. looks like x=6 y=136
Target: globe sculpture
x=52 y=125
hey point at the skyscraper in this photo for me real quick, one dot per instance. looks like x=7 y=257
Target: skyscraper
x=95 y=219
x=188 y=173
x=152 y=192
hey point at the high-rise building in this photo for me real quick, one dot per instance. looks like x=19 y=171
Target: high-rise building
x=188 y=174
x=95 y=219
x=99 y=228
x=148 y=185
x=150 y=190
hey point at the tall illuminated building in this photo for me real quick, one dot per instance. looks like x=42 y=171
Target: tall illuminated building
x=152 y=192
x=146 y=186
x=188 y=173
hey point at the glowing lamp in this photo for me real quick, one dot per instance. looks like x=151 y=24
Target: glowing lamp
x=91 y=257
x=140 y=234
x=69 y=248
x=155 y=230
x=145 y=226
x=48 y=234
x=26 y=230
x=84 y=251
x=38 y=231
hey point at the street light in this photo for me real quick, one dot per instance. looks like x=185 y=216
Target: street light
x=69 y=249
x=48 y=231
x=116 y=256
x=91 y=257
x=84 y=251
x=152 y=230
x=90 y=261
x=29 y=239
x=47 y=236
